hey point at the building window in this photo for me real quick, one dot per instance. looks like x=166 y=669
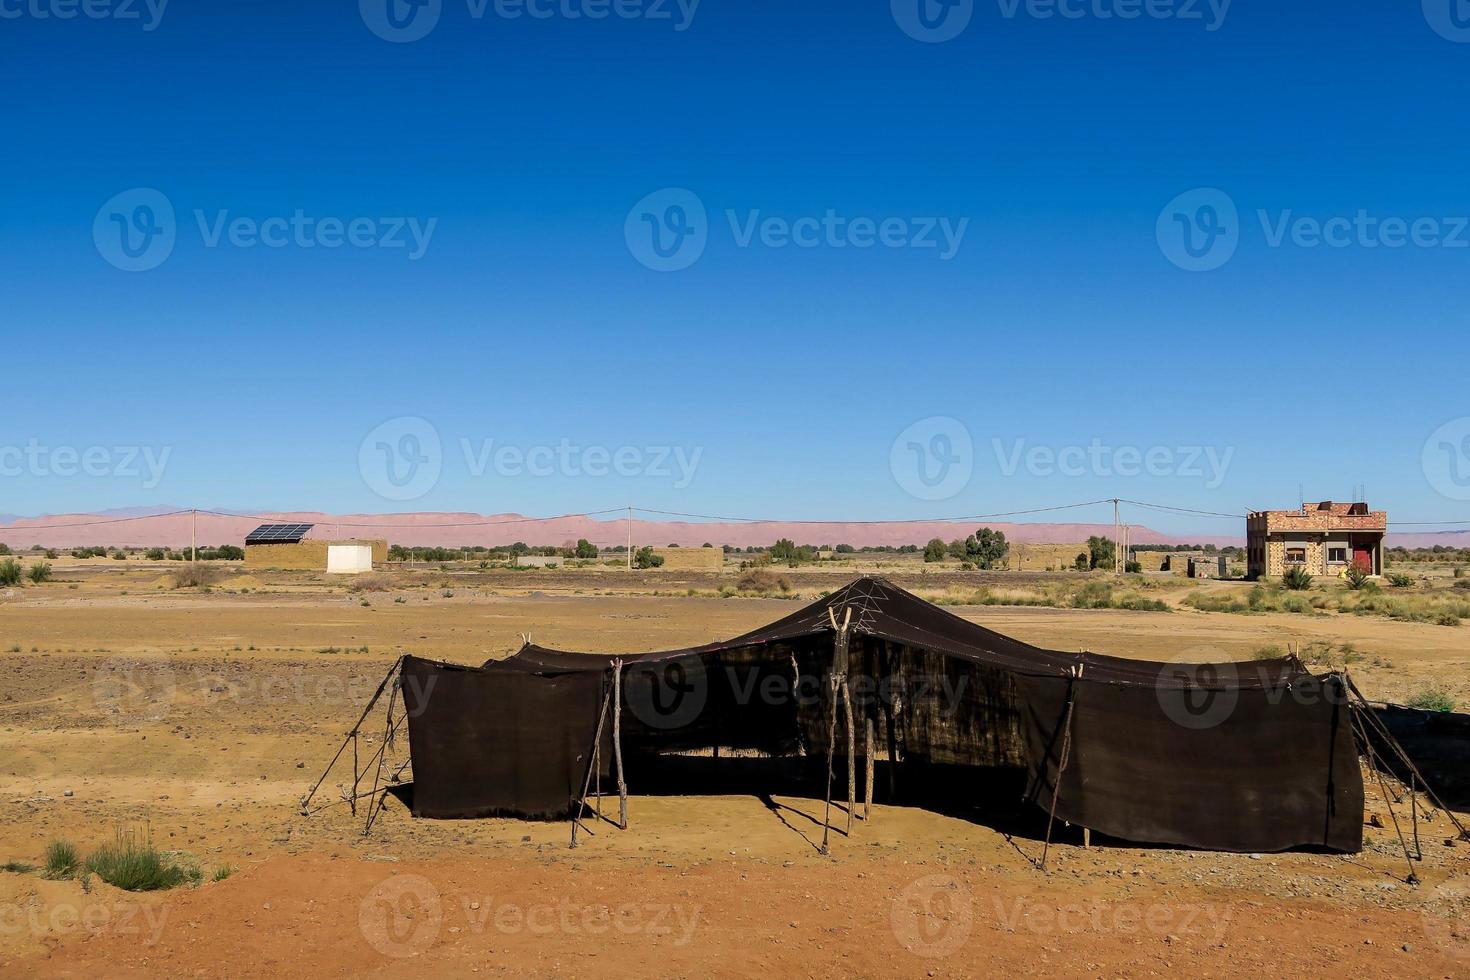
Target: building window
x=1337 y=555
x=1296 y=556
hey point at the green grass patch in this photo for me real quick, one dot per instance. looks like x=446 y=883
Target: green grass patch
x=1432 y=699
x=62 y=860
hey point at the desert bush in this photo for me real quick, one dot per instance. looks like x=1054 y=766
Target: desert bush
x=221 y=873
x=133 y=864
x=370 y=582
x=934 y=550
x=645 y=558
x=1400 y=580
x=195 y=576
x=1297 y=579
x=39 y=572
x=119 y=556
x=10 y=572
x=156 y=554
x=1432 y=699
x=4 y=548
x=62 y=860
x=1268 y=653
x=763 y=580
x=1355 y=576
x=17 y=867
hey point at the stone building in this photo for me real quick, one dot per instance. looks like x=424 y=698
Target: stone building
x=1321 y=538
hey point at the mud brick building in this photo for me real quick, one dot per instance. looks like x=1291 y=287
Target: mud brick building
x=1321 y=538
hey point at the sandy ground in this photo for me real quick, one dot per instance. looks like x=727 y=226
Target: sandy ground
x=206 y=718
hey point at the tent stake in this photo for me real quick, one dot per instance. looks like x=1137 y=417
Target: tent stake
x=1062 y=762
x=618 y=743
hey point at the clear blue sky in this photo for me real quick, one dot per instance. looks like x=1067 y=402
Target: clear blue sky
x=1059 y=321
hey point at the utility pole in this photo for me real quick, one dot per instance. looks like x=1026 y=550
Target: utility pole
x=1117 y=542
x=630 y=539
x=194 y=536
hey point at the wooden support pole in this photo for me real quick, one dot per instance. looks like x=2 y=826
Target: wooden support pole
x=618 y=743
x=1412 y=878
x=1061 y=762
x=581 y=802
x=831 y=744
x=868 y=766
x=351 y=737
x=851 y=753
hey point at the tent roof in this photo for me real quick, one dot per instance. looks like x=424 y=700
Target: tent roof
x=884 y=610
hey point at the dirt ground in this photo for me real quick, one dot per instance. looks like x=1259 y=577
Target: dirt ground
x=205 y=717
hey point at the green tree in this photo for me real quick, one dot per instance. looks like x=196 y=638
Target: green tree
x=585 y=549
x=645 y=558
x=934 y=550
x=986 y=547
x=39 y=572
x=1100 y=552
x=785 y=550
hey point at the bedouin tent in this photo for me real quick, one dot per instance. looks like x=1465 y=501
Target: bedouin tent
x=1255 y=756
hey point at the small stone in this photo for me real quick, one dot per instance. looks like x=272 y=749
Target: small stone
x=1408 y=948
x=68 y=793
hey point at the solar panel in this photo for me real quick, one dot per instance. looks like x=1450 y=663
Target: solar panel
x=278 y=533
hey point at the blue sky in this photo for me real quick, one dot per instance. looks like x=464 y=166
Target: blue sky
x=528 y=149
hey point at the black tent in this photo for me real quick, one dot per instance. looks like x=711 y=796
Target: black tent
x=1256 y=756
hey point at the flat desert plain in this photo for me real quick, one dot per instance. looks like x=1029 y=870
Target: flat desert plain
x=201 y=718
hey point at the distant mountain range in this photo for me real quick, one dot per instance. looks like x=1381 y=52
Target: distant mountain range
x=159 y=526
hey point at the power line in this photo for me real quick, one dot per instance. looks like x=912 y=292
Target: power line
x=919 y=520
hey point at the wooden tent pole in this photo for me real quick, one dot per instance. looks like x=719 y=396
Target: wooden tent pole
x=581 y=801
x=1393 y=743
x=868 y=767
x=1062 y=762
x=352 y=737
x=851 y=753
x=618 y=743
x=831 y=743
x=1412 y=879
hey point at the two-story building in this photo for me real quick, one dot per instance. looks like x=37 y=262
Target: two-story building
x=1321 y=538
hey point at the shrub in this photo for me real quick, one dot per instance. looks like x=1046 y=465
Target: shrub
x=1297 y=579
x=1400 y=580
x=1433 y=699
x=135 y=865
x=10 y=572
x=119 y=556
x=195 y=576
x=934 y=550
x=17 y=867
x=39 y=572
x=585 y=549
x=1355 y=576
x=62 y=860
x=763 y=580
x=51 y=554
x=645 y=558
x=4 y=548
x=156 y=554
x=221 y=873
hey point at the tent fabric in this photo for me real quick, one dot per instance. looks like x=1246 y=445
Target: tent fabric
x=1153 y=753
x=498 y=743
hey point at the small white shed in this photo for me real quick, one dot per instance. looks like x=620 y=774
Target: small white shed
x=349 y=559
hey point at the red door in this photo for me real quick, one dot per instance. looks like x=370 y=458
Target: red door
x=1363 y=557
